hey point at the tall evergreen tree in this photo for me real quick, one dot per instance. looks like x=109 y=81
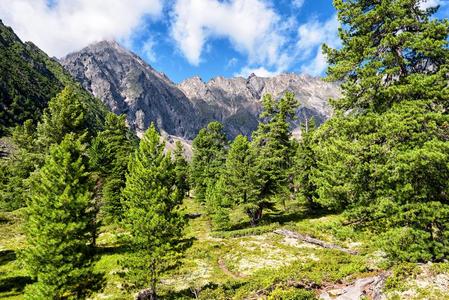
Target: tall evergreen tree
x=241 y=182
x=109 y=156
x=19 y=164
x=151 y=201
x=209 y=155
x=304 y=166
x=58 y=224
x=218 y=204
x=181 y=169
x=273 y=150
x=71 y=111
x=393 y=50
x=382 y=155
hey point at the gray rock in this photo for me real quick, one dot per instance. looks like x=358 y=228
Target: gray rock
x=126 y=84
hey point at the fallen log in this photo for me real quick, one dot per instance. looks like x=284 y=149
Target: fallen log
x=313 y=241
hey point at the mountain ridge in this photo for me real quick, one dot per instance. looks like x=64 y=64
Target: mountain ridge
x=127 y=84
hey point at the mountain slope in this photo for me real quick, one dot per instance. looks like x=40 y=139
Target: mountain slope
x=29 y=78
x=126 y=84
x=236 y=101
x=26 y=81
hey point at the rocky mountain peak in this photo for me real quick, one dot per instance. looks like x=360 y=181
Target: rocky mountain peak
x=128 y=85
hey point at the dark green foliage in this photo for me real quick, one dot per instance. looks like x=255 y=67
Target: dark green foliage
x=181 y=169
x=23 y=160
x=273 y=151
x=108 y=158
x=392 y=51
x=386 y=159
x=58 y=224
x=240 y=180
x=26 y=84
x=209 y=155
x=71 y=111
x=217 y=203
x=304 y=166
x=151 y=200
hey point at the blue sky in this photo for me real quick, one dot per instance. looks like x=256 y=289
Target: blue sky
x=183 y=38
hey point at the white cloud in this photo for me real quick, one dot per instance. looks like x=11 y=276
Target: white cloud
x=252 y=26
x=148 y=49
x=317 y=66
x=425 y=4
x=69 y=25
x=314 y=33
x=311 y=36
x=298 y=3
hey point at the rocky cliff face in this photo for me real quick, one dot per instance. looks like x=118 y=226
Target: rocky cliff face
x=237 y=101
x=128 y=85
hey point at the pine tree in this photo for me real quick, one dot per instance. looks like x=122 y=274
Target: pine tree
x=181 y=169
x=218 y=204
x=383 y=154
x=71 y=111
x=209 y=155
x=109 y=156
x=18 y=166
x=58 y=224
x=392 y=51
x=304 y=166
x=273 y=150
x=151 y=201
x=241 y=182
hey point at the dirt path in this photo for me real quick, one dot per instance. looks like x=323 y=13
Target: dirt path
x=225 y=270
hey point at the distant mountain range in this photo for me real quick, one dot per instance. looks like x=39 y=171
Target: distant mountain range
x=126 y=84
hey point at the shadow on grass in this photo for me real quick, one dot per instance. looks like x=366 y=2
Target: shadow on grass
x=14 y=284
x=7 y=256
x=281 y=217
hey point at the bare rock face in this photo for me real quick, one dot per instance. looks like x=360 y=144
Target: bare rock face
x=236 y=102
x=126 y=84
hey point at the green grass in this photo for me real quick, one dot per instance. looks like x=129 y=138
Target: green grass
x=13 y=277
x=241 y=263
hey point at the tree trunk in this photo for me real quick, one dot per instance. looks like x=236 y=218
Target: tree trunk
x=255 y=216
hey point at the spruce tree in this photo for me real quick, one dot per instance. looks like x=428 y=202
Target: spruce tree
x=209 y=155
x=58 y=224
x=151 y=201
